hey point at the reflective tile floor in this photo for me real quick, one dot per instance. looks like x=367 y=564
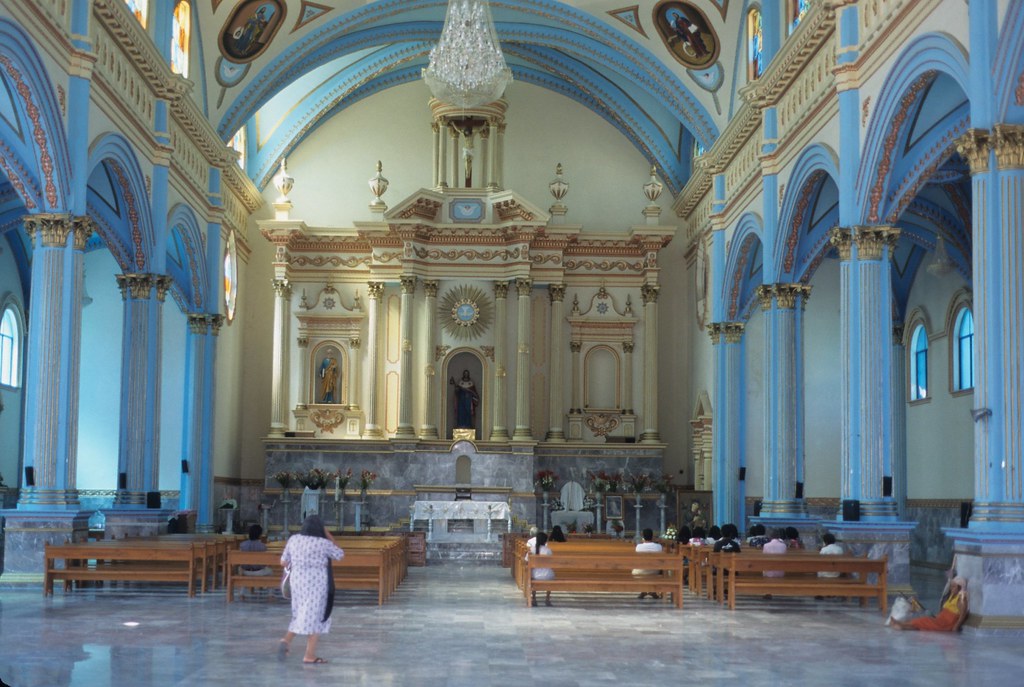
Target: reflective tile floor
x=452 y=625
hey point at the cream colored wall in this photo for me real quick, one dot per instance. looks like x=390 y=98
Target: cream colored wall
x=676 y=320
x=940 y=433
x=11 y=416
x=822 y=379
x=754 y=403
x=605 y=172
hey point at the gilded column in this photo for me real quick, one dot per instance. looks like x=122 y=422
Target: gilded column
x=376 y=292
x=556 y=412
x=428 y=428
x=627 y=377
x=524 y=289
x=139 y=437
x=866 y=320
x=53 y=360
x=649 y=294
x=354 y=366
x=499 y=430
x=727 y=430
x=405 y=430
x=279 y=361
x=783 y=306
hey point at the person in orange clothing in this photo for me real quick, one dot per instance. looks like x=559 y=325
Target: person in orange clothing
x=950 y=618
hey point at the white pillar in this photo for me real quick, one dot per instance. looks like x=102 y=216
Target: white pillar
x=405 y=430
x=428 y=428
x=649 y=293
x=436 y=150
x=303 y=345
x=376 y=292
x=354 y=366
x=524 y=289
x=499 y=430
x=627 y=377
x=279 y=356
x=485 y=160
x=454 y=157
x=556 y=351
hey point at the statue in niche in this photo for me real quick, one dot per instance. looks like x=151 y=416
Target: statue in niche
x=467 y=398
x=329 y=379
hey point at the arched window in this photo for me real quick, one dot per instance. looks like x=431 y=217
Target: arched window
x=230 y=277
x=139 y=8
x=963 y=351
x=181 y=32
x=698 y=149
x=10 y=349
x=755 y=44
x=238 y=145
x=919 y=364
x=797 y=10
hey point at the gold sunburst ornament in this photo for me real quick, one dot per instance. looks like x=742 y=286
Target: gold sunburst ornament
x=465 y=312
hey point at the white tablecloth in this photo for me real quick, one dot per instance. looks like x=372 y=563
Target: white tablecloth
x=461 y=510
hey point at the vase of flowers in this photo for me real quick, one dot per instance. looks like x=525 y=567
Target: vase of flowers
x=315 y=479
x=545 y=480
x=341 y=480
x=366 y=480
x=639 y=482
x=662 y=485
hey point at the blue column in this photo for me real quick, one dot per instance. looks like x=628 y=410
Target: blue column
x=727 y=431
x=139 y=442
x=783 y=306
x=898 y=424
x=52 y=371
x=866 y=320
x=197 y=439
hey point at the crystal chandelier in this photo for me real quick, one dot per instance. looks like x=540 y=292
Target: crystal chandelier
x=466 y=66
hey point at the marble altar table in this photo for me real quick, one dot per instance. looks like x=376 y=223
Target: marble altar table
x=433 y=511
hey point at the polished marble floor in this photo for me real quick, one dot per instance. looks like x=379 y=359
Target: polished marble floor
x=454 y=625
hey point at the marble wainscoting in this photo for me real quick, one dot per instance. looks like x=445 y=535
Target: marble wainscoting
x=929 y=545
x=877 y=539
x=26 y=533
x=993 y=563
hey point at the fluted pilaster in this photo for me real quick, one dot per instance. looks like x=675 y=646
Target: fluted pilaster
x=376 y=293
x=524 y=290
x=556 y=412
x=428 y=428
x=405 y=430
x=727 y=339
x=649 y=293
x=279 y=360
x=499 y=430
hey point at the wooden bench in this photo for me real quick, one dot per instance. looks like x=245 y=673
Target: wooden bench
x=743 y=573
x=607 y=572
x=604 y=546
x=126 y=560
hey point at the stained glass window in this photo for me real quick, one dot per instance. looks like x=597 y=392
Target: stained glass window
x=230 y=277
x=181 y=30
x=919 y=364
x=138 y=8
x=755 y=45
x=797 y=10
x=10 y=348
x=963 y=357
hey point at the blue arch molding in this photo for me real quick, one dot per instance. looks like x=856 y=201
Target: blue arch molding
x=576 y=34
x=745 y=249
x=186 y=260
x=583 y=85
x=113 y=203
x=1009 y=66
x=36 y=163
x=816 y=165
x=928 y=53
x=12 y=213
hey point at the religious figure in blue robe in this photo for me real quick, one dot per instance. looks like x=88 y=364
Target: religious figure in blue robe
x=467 y=398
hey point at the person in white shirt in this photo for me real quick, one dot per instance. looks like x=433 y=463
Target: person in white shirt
x=541 y=548
x=830 y=548
x=648 y=545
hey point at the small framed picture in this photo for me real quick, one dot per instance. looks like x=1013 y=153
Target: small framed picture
x=613 y=507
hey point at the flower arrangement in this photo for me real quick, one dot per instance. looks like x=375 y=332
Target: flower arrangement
x=602 y=481
x=614 y=481
x=545 y=479
x=341 y=479
x=285 y=478
x=314 y=479
x=556 y=504
x=662 y=484
x=588 y=528
x=366 y=479
x=670 y=532
x=639 y=482
x=617 y=526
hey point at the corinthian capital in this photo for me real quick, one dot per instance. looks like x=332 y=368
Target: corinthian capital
x=975 y=146
x=375 y=289
x=649 y=293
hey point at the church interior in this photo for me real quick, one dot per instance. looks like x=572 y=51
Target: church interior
x=267 y=258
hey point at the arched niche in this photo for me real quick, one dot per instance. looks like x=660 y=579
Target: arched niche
x=463 y=470
x=602 y=379
x=464 y=394
x=327 y=383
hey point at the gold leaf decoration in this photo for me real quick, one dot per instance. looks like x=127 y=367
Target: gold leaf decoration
x=465 y=312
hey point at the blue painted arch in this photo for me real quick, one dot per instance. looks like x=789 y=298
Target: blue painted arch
x=186 y=260
x=119 y=202
x=1009 y=66
x=34 y=155
x=813 y=167
x=918 y=64
x=742 y=267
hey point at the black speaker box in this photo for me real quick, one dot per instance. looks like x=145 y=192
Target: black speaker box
x=851 y=510
x=799 y=490
x=184 y=467
x=30 y=476
x=966 y=508
x=122 y=480
x=887 y=485
x=743 y=474
x=152 y=499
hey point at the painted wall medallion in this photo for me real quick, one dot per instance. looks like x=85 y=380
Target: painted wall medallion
x=687 y=33
x=250 y=29
x=466 y=210
x=465 y=312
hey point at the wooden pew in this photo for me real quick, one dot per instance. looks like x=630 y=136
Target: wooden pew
x=126 y=560
x=608 y=545
x=743 y=573
x=603 y=571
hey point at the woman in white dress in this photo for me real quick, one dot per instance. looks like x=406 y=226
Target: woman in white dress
x=541 y=548
x=308 y=556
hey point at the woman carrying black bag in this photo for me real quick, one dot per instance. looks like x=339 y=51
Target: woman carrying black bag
x=308 y=556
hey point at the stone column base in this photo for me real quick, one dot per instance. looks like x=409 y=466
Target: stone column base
x=786 y=508
x=877 y=539
x=133 y=522
x=26 y=533
x=993 y=564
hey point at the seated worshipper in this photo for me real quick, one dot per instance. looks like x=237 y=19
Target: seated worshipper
x=830 y=548
x=532 y=541
x=793 y=540
x=950 y=618
x=255 y=543
x=648 y=545
x=757 y=538
x=698 y=538
x=730 y=541
x=683 y=535
x=541 y=548
x=557 y=535
x=714 y=534
x=776 y=546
